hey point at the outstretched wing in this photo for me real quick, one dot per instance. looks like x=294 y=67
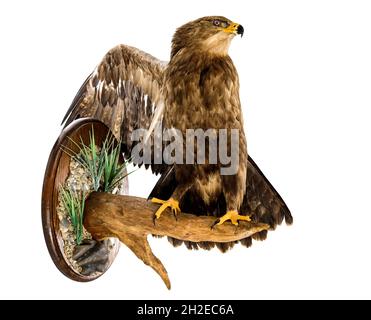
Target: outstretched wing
x=124 y=92
x=261 y=201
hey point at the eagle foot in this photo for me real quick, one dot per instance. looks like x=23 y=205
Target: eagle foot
x=171 y=203
x=233 y=216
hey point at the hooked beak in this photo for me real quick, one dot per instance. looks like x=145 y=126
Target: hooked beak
x=235 y=28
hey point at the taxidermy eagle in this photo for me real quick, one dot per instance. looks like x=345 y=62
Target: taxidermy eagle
x=197 y=88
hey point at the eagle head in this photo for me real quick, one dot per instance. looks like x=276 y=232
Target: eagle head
x=209 y=34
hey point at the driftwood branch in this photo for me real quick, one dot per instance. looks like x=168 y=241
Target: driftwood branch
x=130 y=220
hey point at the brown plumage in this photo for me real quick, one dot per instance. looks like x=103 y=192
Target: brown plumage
x=198 y=88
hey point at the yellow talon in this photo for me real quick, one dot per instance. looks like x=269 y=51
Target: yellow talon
x=234 y=217
x=171 y=203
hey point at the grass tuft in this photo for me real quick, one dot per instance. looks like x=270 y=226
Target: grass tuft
x=74 y=204
x=113 y=171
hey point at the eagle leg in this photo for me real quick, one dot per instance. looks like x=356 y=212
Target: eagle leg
x=171 y=203
x=233 y=216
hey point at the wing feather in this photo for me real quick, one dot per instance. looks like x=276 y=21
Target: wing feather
x=262 y=200
x=124 y=92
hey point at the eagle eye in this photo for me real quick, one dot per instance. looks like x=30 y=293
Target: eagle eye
x=216 y=23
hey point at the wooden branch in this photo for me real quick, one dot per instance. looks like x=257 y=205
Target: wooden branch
x=130 y=220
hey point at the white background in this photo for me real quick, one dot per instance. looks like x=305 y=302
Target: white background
x=305 y=70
